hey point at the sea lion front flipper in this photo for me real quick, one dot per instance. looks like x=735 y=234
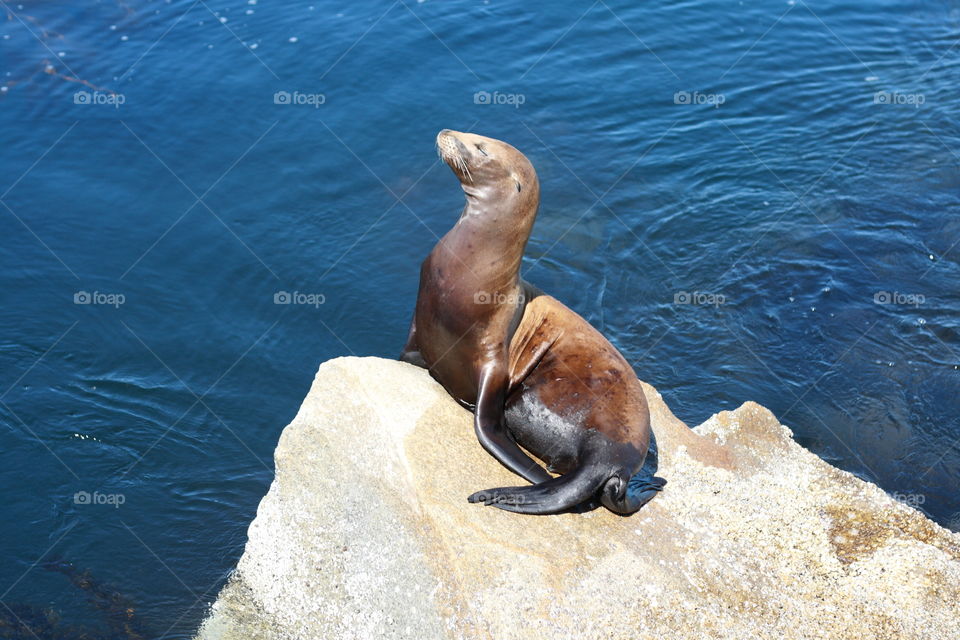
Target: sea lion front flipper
x=414 y=358
x=488 y=423
x=411 y=352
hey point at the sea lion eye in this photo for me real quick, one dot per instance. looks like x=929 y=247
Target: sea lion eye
x=518 y=185
x=480 y=149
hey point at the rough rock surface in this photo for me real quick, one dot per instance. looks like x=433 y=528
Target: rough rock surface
x=366 y=533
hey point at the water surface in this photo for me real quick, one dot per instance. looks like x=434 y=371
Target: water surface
x=754 y=201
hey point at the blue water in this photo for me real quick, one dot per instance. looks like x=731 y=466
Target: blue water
x=778 y=195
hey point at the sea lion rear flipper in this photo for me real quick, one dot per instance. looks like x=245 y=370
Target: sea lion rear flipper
x=640 y=489
x=554 y=496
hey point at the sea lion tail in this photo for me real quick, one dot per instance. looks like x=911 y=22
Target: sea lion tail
x=552 y=496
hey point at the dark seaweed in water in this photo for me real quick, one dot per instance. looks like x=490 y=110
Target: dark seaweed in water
x=118 y=611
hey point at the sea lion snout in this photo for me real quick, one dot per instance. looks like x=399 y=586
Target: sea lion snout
x=454 y=152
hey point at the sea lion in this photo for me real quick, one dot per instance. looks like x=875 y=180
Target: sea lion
x=534 y=373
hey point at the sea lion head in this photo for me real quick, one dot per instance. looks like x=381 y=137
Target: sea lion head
x=488 y=168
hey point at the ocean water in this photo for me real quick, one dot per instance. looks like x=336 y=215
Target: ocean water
x=753 y=201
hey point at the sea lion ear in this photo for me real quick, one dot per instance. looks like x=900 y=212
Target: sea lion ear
x=517 y=182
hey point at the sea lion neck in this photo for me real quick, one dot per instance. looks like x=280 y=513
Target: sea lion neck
x=491 y=234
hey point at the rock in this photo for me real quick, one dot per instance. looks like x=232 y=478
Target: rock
x=366 y=533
